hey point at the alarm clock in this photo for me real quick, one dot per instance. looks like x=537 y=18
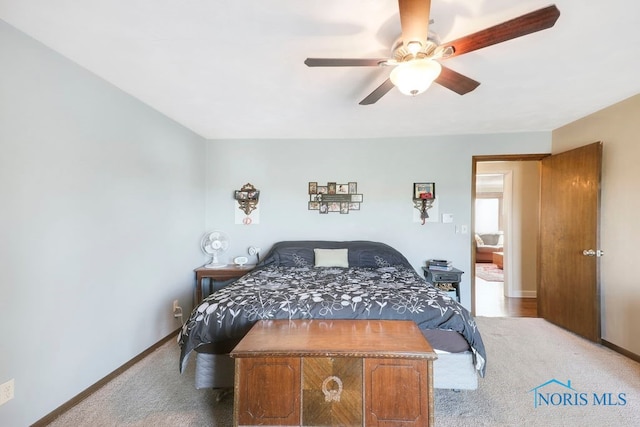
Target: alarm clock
x=240 y=260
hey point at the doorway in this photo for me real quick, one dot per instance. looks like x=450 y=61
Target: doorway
x=489 y=242
x=505 y=223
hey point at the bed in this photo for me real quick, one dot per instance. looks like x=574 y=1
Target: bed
x=331 y=280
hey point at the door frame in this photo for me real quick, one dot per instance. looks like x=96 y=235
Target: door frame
x=474 y=161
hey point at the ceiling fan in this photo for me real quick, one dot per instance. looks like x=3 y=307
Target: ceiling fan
x=416 y=53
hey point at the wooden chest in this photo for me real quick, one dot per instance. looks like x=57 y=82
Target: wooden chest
x=334 y=373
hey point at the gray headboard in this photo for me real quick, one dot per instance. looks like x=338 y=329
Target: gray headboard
x=362 y=253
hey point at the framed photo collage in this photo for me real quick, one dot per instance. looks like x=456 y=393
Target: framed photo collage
x=334 y=197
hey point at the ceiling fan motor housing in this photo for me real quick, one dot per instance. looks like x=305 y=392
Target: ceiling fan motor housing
x=402 y=53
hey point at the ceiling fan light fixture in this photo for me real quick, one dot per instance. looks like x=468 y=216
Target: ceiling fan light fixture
x=414 y=77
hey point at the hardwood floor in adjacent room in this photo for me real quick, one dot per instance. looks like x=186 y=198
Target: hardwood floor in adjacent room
x=491 y=302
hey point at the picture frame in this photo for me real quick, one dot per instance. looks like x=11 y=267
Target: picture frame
x=314 y=206
x=356 y=198
x=424 y=190
x=313 y=187
x=331 y=188
x=323 y=189
x=342 y=189
x=353 y=187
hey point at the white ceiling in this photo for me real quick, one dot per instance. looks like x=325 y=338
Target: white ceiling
x=234 y=69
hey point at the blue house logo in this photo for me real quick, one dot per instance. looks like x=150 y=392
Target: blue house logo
x=556 y=393
x=557 y=398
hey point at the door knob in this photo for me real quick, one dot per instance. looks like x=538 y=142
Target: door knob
x=591 y=252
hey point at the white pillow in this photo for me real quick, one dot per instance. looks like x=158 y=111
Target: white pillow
x=332 y=257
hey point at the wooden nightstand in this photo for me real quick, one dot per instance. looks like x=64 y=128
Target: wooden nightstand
x=223 y=274
x=444 y=279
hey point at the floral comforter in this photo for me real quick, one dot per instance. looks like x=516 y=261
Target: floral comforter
x=276 y=292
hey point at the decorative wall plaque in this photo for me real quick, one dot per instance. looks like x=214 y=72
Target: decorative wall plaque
x=247 y=198
x=424 y=194
x=334 y=197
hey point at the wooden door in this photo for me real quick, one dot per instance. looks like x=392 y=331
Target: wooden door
x=569 y=288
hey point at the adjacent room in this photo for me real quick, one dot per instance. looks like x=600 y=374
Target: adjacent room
x=506 y=237
x=489 y=245
x=153 y=153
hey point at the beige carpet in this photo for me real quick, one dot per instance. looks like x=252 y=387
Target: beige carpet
x=523 y=353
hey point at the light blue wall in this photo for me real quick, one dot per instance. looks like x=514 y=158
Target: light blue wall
x=385 y=170
x=102 y=206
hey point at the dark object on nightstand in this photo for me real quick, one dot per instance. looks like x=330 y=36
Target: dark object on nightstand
x=444 y=280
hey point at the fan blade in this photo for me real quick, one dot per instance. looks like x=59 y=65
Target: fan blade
x=414 y=20
x=378 y=93
x=344 y=62
x=455 y=81
x=526 y=24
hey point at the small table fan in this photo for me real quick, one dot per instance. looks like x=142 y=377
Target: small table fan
x=213 y=244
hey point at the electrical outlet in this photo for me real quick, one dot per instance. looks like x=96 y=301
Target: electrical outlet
x=6 y=391
x=177 y=310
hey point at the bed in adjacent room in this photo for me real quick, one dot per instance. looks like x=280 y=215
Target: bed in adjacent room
x=332 y=280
